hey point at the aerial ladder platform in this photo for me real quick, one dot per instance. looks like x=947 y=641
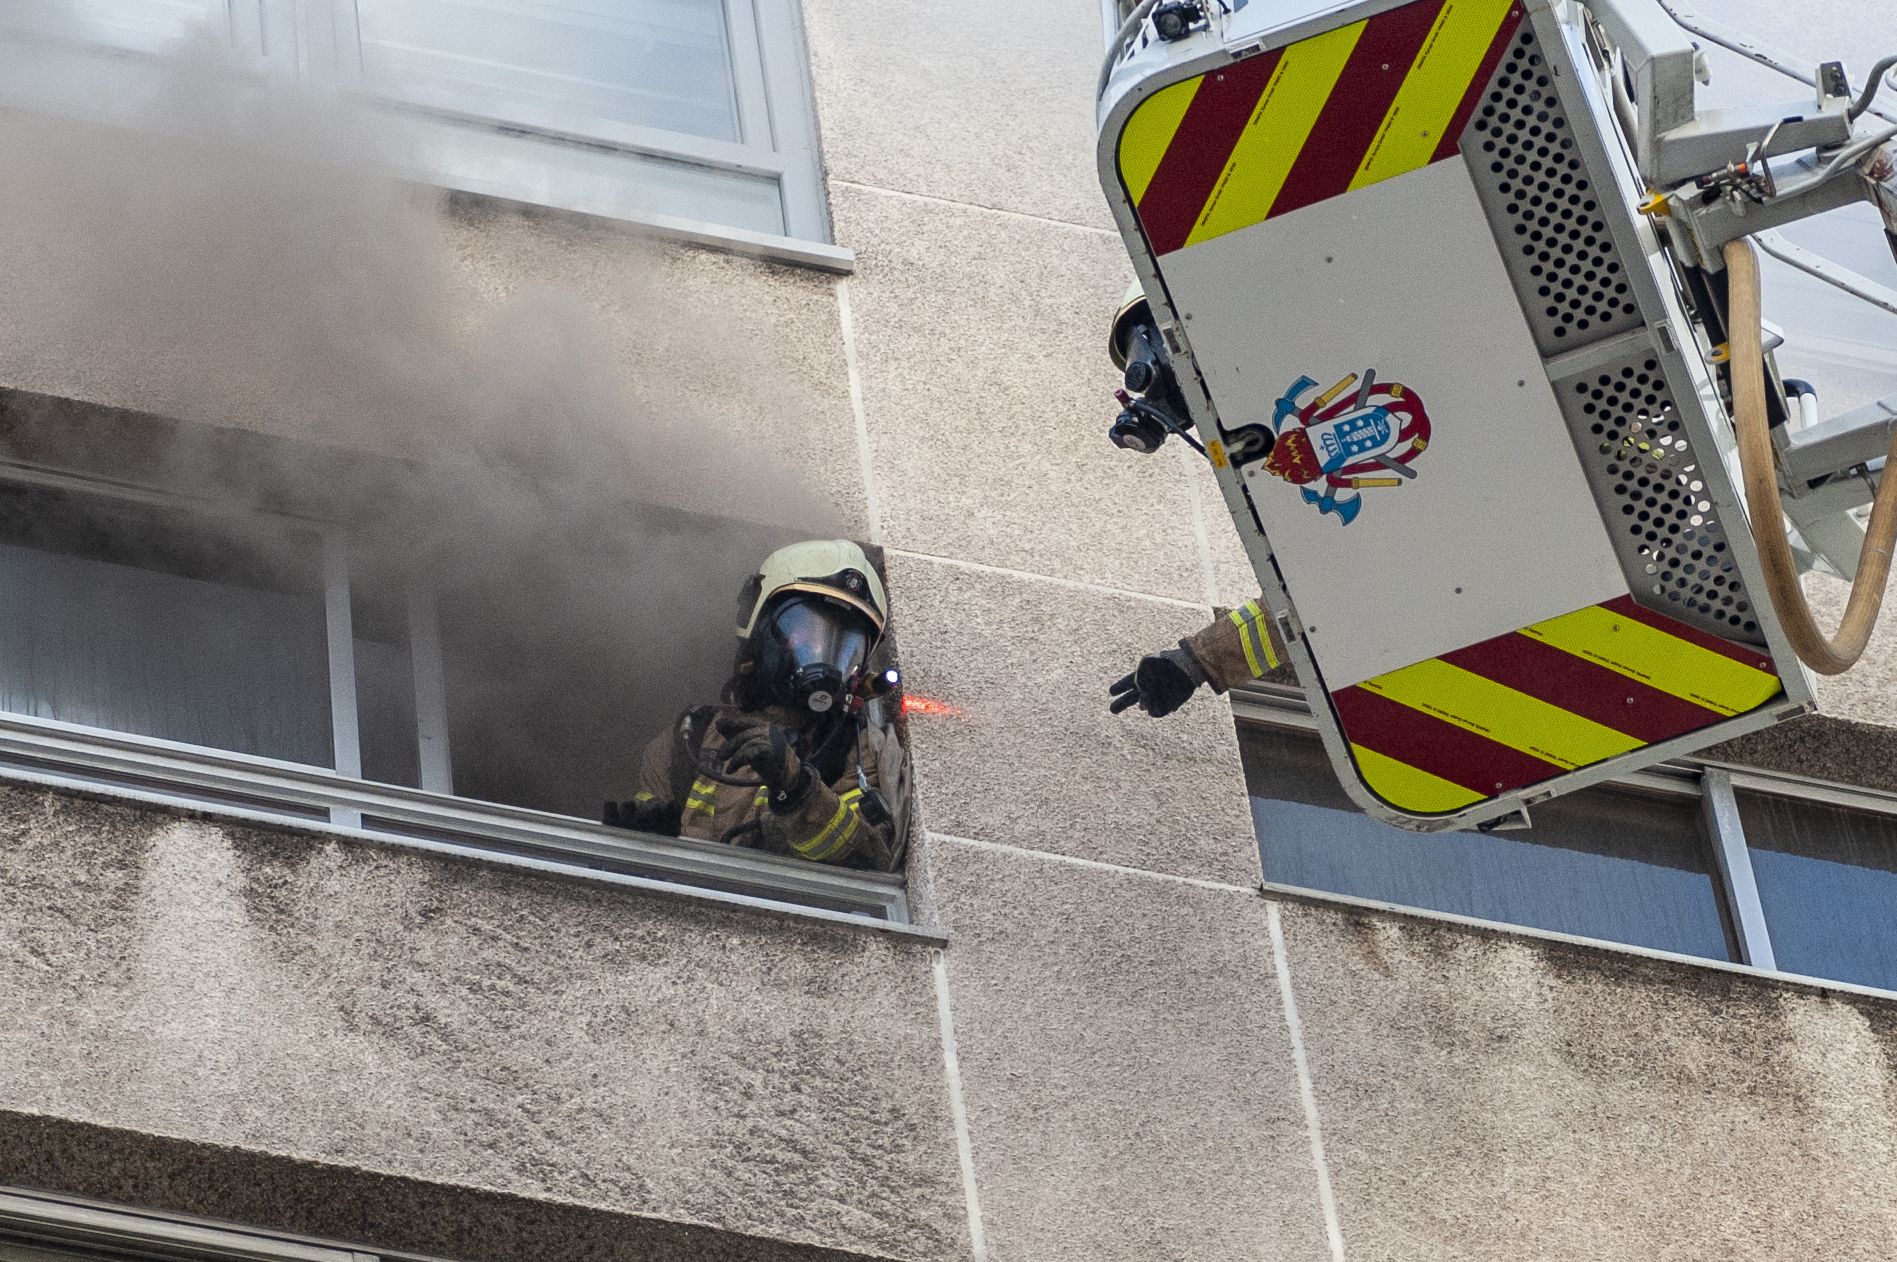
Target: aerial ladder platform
x=1461 y=300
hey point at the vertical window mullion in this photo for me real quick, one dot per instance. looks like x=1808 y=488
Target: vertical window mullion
x=339 y=620
x=431 y=691
x=778 y=50
x=1736 y=877
x=747 y=74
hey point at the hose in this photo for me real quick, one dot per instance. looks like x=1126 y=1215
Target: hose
x=1872 y=87
x=1823 y=654
x=1117 y=44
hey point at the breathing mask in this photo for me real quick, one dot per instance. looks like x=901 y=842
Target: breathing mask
x=811 y=653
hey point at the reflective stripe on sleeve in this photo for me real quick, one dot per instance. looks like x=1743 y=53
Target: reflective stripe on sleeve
x=835 y=836
x=700 y=798
x=1256 y=638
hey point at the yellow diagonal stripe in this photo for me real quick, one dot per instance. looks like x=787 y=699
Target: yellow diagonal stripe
x=1438 y=80
x=1503 y=715
x=1409 y=789
x=1254 y=175
x=1664 y=661
x=1149 y=132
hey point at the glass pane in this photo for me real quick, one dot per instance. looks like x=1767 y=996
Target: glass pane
x=660 y=63
x=145 y=25
x=1828 y=880
x=137 y=619
x=1602 y=863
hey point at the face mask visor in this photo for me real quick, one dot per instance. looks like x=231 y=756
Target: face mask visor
x=820 y=650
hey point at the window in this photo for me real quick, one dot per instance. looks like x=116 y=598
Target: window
x=692 y=116
x=286 y=667
x=35 y=1227
x=1615 y=864
x=1827 y=879
x=1785 y=875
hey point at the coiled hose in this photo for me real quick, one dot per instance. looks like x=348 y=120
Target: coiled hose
x=1757 y=461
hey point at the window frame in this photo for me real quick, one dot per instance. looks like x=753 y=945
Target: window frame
x=37 y=1220
x=1712 y=783
x=153 y=771
x=475 y=142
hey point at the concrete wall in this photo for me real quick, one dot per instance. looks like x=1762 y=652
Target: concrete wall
x=1125 y=1054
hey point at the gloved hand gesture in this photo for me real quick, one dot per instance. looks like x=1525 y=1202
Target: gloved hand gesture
x=765 y=747
x=1162 y=683
x=644 y=817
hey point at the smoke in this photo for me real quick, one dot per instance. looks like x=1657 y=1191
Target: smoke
x=245 y=259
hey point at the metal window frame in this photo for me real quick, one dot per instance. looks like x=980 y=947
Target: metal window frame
x=774 y=106
x=694 y=189
x=56 y=1223
x=1713 y=783
x=338 y=800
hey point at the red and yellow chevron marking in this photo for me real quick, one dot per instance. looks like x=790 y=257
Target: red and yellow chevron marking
x=1284 y=129
x=1568 y=693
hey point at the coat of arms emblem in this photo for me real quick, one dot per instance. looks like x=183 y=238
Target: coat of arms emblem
x=1359 y=434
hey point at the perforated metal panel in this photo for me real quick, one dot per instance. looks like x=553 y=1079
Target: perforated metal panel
x=1669 y=538
x=1545 y=211
x=1576 y=293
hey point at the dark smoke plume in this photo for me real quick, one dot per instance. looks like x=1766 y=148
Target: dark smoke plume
x=246 y=260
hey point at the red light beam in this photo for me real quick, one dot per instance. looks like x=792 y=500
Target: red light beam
x=913 y=704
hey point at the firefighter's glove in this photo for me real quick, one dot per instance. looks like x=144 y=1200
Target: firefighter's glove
x=765 y=748
x=647 y=816
x=1164 y=682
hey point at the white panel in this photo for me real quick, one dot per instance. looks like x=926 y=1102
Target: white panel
x=1497 y=529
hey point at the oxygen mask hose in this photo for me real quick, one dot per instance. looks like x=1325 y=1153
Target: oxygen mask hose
x=1758 y=462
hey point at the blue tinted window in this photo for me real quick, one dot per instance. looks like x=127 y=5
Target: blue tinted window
x=1603 y=863
x=1828 y=882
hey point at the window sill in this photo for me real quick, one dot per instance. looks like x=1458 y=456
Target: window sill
x=280 y=795
x=1502 y=929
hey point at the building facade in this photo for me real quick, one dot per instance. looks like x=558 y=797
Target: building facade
x=345 y=973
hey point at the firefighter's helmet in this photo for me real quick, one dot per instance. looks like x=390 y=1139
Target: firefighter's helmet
x=1134 y=310
x=833 y=568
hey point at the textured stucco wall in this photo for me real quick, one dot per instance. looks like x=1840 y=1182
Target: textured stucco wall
x=442 y=1023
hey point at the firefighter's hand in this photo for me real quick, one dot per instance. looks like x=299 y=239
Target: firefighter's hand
x=1164 y=682
x=765 y=748
x=645 y=817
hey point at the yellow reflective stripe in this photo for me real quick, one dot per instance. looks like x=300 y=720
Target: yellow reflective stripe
x=1663 y=661
x=1244 y=638
x=700 y=797
x=835 y=835
x=1256 y=639
x=1409 y=788
x=1149 y=132
x=643 y=796
x=1438 y=80
x=1274 y=139
x=1503 y=715
x=762 y=797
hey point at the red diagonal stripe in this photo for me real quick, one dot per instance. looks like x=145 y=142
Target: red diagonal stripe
x=1200 y=149
x=1581 y=687
x=1363 y=96
x=1757 y=659
x=1440 y=748
x=1452 y=139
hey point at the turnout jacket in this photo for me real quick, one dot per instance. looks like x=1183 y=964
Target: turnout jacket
x=826 y=826
x=1239 y=646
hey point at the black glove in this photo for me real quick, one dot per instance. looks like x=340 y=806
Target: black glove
x=646 y=817
x=1164 y=682
x=765 y=748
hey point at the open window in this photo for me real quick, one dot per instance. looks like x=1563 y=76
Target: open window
x=344 y=643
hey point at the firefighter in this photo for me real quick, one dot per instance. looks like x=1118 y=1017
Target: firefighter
x=788 y=762
x=1240 y=645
